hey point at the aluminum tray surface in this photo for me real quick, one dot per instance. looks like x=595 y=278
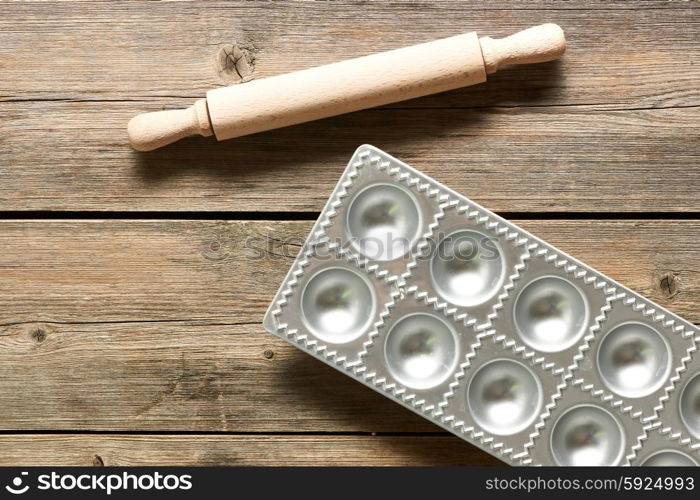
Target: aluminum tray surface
x=486 y=330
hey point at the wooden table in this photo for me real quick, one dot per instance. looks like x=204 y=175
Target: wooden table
x=131 y=285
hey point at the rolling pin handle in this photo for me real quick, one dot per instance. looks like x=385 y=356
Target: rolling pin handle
x=534 y=45
x=149 y=131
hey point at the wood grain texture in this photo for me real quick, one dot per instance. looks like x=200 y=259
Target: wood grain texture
x=155 y=325
x=256 y=450
x=612 y=126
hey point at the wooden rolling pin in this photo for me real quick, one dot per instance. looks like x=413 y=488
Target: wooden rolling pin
x=346 y=86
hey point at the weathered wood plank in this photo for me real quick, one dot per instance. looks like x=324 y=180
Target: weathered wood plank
x=541 y=159
x=228 y=271
x=180 y=377
x=258 y=450
x=155 y=325
x=582 y=134
x=132 y=50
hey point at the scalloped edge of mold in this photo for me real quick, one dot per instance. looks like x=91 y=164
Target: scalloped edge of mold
x=570 y=268
x=498 y=229
x=303 y=340
x=405 y=395
x=368 y=156
x=618 y=402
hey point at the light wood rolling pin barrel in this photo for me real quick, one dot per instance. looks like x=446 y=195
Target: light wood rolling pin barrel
x=346 y=86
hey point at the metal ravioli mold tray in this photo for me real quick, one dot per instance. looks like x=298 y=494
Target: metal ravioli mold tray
x=486 y=330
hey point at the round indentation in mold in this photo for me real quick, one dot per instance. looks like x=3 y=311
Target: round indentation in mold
x=383 y=222
x=337 y=305
x=421 y=350
x=634 y=360
x=550 y=314
x=467 y=268
x=690 y=405
x=504 y=397
x=669 y=458
x=587 y=435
